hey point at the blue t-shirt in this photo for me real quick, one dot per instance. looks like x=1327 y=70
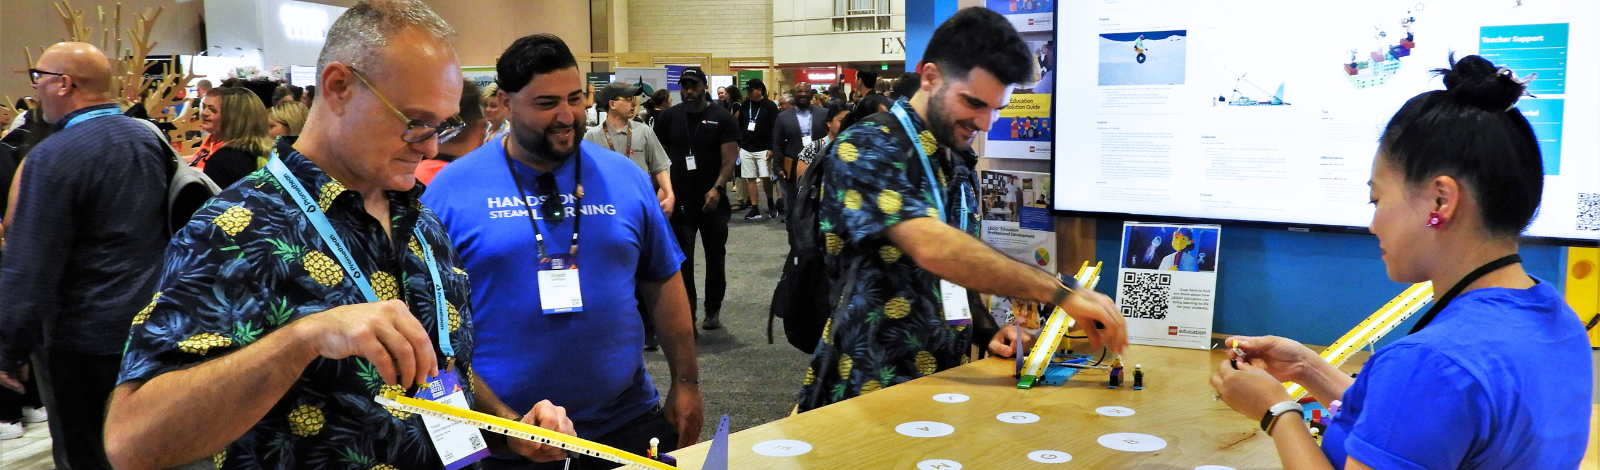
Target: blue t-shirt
x=1499 y=380
x=589 y=361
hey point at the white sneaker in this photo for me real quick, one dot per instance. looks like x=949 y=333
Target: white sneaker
x=32 y=415
x=10 y=430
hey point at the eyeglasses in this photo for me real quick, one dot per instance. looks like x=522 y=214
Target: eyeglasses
x=35 y=74
x=416 y=131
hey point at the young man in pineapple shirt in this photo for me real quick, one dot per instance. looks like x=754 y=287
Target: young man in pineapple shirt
x=903 y=206
x=262 y=346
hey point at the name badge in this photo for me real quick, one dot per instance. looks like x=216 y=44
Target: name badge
x=751 y=127
x=805 y=141
x=690 y=161
x=459 y=445
x=558 y=286
x=957 y=310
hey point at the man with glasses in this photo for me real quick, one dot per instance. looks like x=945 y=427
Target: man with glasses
x=557 y=233
x=297 y=296
x=82 y=247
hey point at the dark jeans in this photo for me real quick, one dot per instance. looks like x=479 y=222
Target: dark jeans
x=713 y=229
x=632 y=437
x=76 y=389
x=11 y=403
x=644 y=313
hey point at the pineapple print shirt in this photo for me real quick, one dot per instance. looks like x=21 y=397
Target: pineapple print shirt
x=893 y=329
x=249 y=263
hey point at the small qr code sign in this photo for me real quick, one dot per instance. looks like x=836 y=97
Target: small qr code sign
x=1145 y=295
x=1166 y=283
x=1588 y=211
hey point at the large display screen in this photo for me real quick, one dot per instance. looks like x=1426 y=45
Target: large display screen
x=1270 y=111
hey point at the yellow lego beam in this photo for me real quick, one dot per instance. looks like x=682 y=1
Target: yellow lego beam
x=1373 y=328
x=511 y=428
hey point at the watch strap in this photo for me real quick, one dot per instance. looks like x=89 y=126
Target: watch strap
x=1277 y=411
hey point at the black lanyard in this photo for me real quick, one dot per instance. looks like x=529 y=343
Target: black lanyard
x=1454 y=291
x=577 y=202
x=606 y=129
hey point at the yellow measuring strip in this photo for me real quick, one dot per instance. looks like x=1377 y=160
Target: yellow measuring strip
x=511 y=428
x=1373 y=328
x=1050 y=338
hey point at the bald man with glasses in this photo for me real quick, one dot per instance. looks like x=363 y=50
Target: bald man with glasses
x=319 y=282
x=82 y=246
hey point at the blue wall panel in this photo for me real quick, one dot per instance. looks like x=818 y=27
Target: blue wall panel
x=1312 y=287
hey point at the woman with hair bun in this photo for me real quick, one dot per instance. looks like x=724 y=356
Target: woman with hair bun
x=1457 y=178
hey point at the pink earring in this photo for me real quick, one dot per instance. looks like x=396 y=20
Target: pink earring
x=1435 y=220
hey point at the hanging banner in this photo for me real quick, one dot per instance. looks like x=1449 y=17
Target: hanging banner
x=1167 y=288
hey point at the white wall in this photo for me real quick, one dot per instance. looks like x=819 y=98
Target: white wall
x=802 y=33
x=271 y=32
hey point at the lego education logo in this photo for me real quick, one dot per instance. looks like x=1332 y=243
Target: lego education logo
x=1174 y=330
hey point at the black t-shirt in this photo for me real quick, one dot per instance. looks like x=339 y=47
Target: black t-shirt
x=229 y=165
x=765 y=114
x=704 y=133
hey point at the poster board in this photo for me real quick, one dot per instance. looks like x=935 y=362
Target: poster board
x=1167 y=287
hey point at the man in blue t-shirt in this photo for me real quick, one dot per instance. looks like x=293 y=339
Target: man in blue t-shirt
x=545 y=331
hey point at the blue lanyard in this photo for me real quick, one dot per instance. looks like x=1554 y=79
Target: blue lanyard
x=319 y=220
x=927 y=166
x=91 y=115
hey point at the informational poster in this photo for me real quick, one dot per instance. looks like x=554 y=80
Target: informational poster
x=1167 y=288
x=1026 y=15
x=1016 y=216
x=653 y=78
x=1024 y=129
x=747 y=75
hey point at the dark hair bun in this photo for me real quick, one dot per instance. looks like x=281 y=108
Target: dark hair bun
x=1475 y=81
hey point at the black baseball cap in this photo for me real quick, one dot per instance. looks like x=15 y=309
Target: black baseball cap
x=755 y=84
x=693 y=74
x=618 y=90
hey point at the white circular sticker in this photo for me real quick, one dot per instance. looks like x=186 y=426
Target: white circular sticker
x=925 y=429
x=1213 y=467
x=781 y=448
x=1114 y=411
x=951 y=398
x=939 y=464
x=1017 y=417
x=1132 y=442
x=1049 y=456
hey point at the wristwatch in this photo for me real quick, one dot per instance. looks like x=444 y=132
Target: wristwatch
x=1069 y=284
x=1271 y=418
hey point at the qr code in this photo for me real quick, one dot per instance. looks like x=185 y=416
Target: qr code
x=1588 y=211
x=476 y=441
x=1144 y=295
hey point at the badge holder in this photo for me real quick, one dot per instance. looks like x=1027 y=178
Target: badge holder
x=459 y=445
x=558 y=285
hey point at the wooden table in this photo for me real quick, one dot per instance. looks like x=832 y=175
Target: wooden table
x=1176 y=405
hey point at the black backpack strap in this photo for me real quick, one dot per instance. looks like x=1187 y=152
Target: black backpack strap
x=839 y=297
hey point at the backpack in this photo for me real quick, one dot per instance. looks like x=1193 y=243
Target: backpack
x=188 y=189
x=798 y=299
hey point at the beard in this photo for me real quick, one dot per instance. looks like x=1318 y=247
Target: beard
x=538 y=142
x=943 y=130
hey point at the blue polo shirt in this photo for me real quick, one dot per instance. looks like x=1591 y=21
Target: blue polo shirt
x=1499 y=380
x=589 y=361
